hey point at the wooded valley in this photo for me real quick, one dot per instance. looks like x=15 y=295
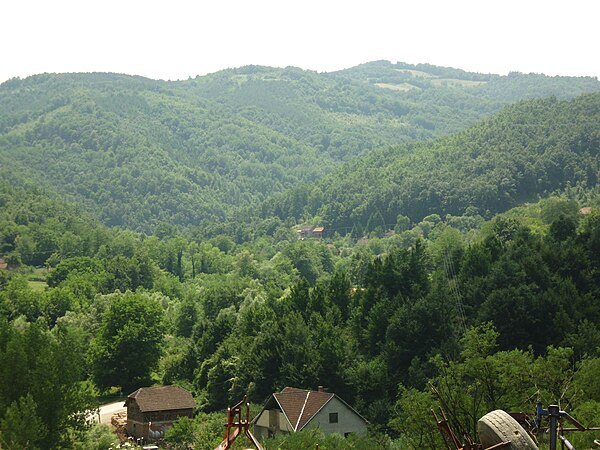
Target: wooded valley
x=149 y=235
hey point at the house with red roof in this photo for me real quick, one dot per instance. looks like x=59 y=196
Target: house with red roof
x=151 y=411
x=293 y=410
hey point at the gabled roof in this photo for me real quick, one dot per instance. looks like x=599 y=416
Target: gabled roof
x=299 y=405
x=162 y=398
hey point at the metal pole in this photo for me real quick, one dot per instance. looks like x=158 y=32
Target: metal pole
x=554 y=413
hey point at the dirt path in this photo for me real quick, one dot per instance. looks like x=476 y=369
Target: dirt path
x=106 y=411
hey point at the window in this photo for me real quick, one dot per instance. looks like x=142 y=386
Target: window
x=333 y=417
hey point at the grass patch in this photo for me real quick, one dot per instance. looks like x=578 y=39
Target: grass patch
x=240 y=79
x=38 y=274
x=402 y=87
x=38 y=286
x=36 y=279
x=454 y=82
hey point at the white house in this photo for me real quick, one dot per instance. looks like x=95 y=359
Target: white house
x=294 y=409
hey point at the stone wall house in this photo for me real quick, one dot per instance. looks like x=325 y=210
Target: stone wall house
x=151 y=411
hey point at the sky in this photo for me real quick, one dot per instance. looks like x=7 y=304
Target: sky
x=178 y=39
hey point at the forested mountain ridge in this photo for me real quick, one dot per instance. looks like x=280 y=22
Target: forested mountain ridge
x=496 y=88
x=137 y=152
x=528 y=150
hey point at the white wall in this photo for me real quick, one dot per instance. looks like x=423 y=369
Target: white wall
x=348 y=420
x=261 y=425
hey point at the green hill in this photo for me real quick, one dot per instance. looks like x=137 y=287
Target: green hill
x=528 y=150
x=138 y=153
x=421 y=78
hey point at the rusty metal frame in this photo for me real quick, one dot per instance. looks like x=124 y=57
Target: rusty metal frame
x=451 y=440
x=466 y=442
x=234 y=428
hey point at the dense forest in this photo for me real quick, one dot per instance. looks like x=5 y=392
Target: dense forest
x=376 y=322
x=139 y=153
x=469 y=262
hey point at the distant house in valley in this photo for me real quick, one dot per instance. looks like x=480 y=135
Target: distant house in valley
x=293 y=410
x=3 y=264
x=310 y=232
x=151 y=411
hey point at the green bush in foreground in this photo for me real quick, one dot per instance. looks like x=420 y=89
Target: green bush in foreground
x=308 y=439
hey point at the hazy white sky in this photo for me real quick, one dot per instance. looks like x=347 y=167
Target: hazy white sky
x=176 y=39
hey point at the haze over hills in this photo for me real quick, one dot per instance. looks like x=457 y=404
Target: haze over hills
x=138 y=153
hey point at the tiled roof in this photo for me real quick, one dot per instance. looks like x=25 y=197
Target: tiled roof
x=162 y=398
x=300 y=405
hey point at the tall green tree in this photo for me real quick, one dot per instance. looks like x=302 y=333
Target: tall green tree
x=42 y=388
x=128 y=344
x=21 y=427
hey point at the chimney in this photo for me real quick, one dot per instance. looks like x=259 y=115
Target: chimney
x=321 y=389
